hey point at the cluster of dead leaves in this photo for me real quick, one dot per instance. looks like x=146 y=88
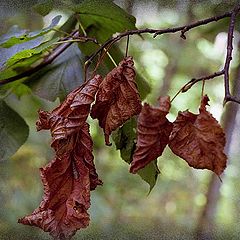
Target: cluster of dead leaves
x=196 y=138
x=71 y=175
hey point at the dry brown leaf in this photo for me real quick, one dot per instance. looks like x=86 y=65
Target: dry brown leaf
x=199 y=139
x=72 y=113
x=153 y=130
x=117 y=99
x=68 y=178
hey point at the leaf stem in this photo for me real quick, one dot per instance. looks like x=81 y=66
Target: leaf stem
x=203 y=85
x=80 y=25
x=110 y=57
x=61 y=31
x=178 y=92
x=79 y=39
x=126 y=53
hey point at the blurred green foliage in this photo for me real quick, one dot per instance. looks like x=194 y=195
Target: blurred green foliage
x=121 y=208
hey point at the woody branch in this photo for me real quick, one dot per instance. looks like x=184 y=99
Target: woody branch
x=156 y=32
x=225 y=71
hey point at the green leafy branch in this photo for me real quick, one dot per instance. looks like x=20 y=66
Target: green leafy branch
x=63 y=45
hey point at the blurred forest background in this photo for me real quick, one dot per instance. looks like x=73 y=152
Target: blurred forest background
x=184 y=200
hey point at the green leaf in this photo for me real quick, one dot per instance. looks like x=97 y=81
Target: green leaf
x=19 y=67
x=60 y=77
x=7 y=73
x=12 y=38
x=102 y=18
x=7 y=53
x=43 y=31
x=17 y=87
x=149 y=174
x=43 y=8
x=22 y=60
x=14 y=31
x=125 y=141
x=13 y=131
x=27 y=53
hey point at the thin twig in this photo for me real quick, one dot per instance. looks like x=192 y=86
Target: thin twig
x=156 y=32
x=79 y=39
x=203 y=85
x=178 y=92
x=228 y=96
x=101 y=57
x=231 y=98
x=193 y=81
x=186 y=28
x=61 y=31
x=80 y=25
x=126 y=53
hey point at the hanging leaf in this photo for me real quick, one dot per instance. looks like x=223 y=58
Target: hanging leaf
x=72 y=113
x=69 y=178
x=153 y=130
x=125 y=140
x=13 y=131
x=66 y=199
x=60 y=77
x=17 y=36
x=117 y=99
x=69 y=118
x=199 y=139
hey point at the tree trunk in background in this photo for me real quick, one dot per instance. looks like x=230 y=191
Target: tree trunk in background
x=170 y=71
x=207 y=217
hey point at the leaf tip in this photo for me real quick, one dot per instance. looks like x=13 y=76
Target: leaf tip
x=164 y=103
x=132 y=169
x=204 y=103
x=43 y=121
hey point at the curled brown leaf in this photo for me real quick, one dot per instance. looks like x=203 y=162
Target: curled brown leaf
x=66 y=199
x=153 y=130
x=68 y=178
x=72 y=113
x=199 y=139
x=117 y=99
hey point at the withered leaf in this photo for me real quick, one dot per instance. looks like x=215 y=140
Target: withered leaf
x=68 y=178
x=72 y=113
x=66 y=199
x=153 y=130
x=199 y=139
x=117 y=99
